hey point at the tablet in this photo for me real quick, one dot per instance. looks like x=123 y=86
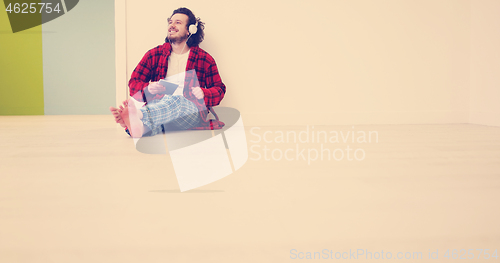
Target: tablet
x=169 y=87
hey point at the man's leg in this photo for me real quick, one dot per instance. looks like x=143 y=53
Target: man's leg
x=171 y=109
x=179 y=111
x=189 y=116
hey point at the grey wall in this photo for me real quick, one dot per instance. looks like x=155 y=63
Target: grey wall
x=79 y=60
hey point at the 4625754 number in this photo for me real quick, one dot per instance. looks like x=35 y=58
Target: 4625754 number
x=470 y=254
x=31 y=8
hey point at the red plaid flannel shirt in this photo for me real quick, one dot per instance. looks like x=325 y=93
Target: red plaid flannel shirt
x=153 y=67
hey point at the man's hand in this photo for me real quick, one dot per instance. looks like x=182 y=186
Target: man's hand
x=156 y=88
x=198 y=93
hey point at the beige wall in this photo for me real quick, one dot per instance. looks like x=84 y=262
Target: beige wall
x=485 y=62
x=328 y=62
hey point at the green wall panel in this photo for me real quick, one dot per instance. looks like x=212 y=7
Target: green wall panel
x=21 y=69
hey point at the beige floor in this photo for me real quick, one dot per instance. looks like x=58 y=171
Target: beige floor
x=74 y=189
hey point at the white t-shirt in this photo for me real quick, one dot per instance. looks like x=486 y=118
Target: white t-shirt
x=176 y=72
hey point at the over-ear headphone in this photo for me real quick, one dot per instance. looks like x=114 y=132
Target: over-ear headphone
x=193 y=28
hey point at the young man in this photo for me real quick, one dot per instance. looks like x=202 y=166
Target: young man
x=179 y=60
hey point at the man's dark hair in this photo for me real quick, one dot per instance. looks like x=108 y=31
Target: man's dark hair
x=194 y=39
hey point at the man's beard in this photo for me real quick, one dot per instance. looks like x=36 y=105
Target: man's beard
x=175 y=40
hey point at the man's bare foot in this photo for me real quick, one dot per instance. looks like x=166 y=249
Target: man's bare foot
x=131 y=117
x=116 y=114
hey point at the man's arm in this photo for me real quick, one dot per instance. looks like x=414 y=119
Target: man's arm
x=141 y=77
x=215 y=89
